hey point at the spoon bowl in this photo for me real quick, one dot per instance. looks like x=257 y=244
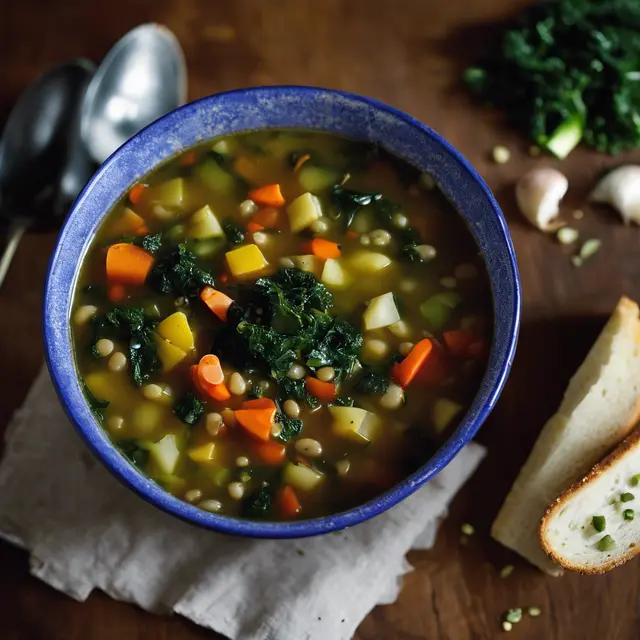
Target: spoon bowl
x=36 y=142
x=142 y=78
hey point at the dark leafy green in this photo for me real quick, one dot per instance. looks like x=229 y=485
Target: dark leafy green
x=178 y=273
x=297 y=390
x=348 y=202
x=282 y=319
x=150 y=242
x=258 y=503
x=373 y=383
x=189 y=409
x=133 y=325
x=235 y=235
x=134 y=453
x=344 y=401
x=97 y=406
x=291 y=427
x=568 y=70
x=339 y=348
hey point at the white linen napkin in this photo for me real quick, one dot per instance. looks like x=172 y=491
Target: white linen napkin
x=84 y=531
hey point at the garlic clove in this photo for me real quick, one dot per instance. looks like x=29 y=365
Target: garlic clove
x=538 y=193
x=620 y=189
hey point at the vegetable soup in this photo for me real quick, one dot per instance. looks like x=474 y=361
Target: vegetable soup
x=281 y=324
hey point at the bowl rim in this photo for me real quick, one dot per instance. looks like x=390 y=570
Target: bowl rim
x=62 y=368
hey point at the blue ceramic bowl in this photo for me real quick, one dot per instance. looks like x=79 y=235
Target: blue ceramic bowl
x=303 y=107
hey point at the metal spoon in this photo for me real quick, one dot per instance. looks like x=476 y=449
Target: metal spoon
x=34 y=148
x=143 y=77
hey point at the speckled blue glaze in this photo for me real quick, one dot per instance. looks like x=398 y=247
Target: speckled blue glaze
x=302 y=107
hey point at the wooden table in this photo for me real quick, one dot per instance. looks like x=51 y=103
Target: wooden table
x=408 y=53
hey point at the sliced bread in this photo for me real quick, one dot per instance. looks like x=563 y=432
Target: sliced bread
x=611 y=494
x=600 y=407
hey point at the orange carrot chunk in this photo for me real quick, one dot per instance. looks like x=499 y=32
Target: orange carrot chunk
x=325 y=391
x=324 y=249
x=288 y=502
x=117 y=292
x=269 y=195
x=252 y=227
x=188 y=158
x=219 y=392
x=135 y=195
x=404 y=372
x=458 y=341
x=256 y=422
x=128 y=264
x=269 y=218
x=209 y=369
x=207 y=391
x=217 y=301
x=271 y=452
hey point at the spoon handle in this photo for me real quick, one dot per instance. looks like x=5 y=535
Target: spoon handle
x=15 y=234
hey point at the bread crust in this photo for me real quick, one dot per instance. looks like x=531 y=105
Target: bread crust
x=607 y=465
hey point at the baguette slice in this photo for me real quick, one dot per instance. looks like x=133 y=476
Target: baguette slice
x=567 y=533
x=600 y=407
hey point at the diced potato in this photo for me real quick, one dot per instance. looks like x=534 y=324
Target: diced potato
x=169 y=354
x=444 y=411
x=369 y=261
x=333 y=274
x=206 y=248
x=355 y=424
x=245 y=260
x=147 y=417
x=312 y=264
x=400 y=329
x=170 y=194
x=175 y=328
x=215 y=177
x=204 y=224
x=126 y=223
x=314 y=179
x=111 y=386
x=437 y=310
x=301 y=477
x=225 y=147
x=381 y=312
x=303 y=211
x=165 y=453
x=202 y=453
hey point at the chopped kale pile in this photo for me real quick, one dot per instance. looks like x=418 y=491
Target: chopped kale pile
x=568 y=71
x=178 y=273
x=133 y=325
x=282 y=319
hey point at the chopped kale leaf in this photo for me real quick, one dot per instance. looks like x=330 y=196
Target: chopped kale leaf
x=258 y=503
x=347 y=202
x=235 y=235
x=134 y=453
x=189 y=409
x=179 y=274
x=291 y=427
x=373 y=383
x=97 y=406
x=133 y=325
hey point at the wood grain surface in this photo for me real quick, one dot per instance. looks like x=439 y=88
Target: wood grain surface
x=408 y=53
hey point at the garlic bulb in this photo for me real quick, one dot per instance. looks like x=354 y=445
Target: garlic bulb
x=620 y=188
x=538 y=193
